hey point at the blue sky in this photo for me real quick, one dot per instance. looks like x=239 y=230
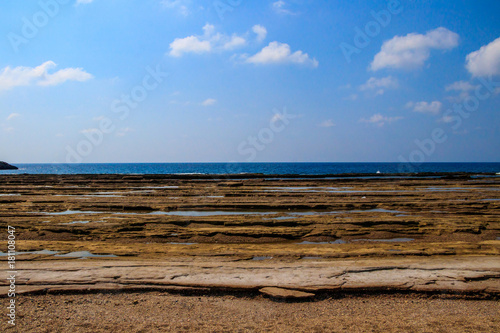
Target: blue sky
x=250 y=81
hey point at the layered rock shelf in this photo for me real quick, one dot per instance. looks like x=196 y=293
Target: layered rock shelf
x=305 y=235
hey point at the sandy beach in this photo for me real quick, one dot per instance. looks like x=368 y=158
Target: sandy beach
x=166 y=253
x=166 y=312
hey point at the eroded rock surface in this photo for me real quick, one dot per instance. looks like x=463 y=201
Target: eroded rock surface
x=304 y=234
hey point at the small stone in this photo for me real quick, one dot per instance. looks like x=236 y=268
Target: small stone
x=275 y=292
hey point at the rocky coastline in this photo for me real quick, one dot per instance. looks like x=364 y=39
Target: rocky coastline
x=7 y=166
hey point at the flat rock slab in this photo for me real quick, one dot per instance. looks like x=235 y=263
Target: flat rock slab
x=468 y=274
x=285 y=293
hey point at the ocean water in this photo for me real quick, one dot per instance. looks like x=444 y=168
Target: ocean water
x=240 y=168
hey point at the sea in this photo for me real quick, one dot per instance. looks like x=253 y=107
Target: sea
x=246 y=168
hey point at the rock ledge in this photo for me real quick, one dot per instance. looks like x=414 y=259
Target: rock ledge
x=7 y=166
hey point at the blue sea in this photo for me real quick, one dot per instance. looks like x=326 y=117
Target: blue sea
x=241 y=168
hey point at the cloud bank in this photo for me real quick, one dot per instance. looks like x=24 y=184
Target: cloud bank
x=412 y=51
x=27 y=76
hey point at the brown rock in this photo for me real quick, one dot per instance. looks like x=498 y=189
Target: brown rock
x=285 y=293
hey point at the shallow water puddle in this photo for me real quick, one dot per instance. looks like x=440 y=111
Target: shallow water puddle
x=338 y=241
x=392 y=240
x=451 y=189
x=281 y=218
x=157 y=187
x=85 y=196
x=329 y=190
x=377 y=210
x=68 y=212
x=202 y=213
x=177 y=243
x=77 y=222
x=81 y=222
x=45 y=252
x=311 y=258
x=173 y=213
x=316 y=213
x=3 y=254
x=103 y=196
x=84 y=254
x=208 y=213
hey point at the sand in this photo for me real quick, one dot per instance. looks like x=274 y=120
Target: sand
x=163 y=312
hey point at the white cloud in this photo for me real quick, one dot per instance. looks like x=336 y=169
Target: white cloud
x=446 y=119
x=411 y=51
x=209 y=101
x=379 y=120
x=279 y=7
x=12 y=116
x=191 y=44
x=89 y=130
x=208 y=42
x=260 y=31
x=425 y=107
x=26 y=76
x=280 y=53
x=208 y=29
x=180 y=5
x=123 y=131
x=380 y=85
x=7 y=129
x=63 y=75
x=234 y=42
x=278 y=116
x=463 y=87
x=460 y=86
x=485 y=61
x=351 y=97
x=327 y=123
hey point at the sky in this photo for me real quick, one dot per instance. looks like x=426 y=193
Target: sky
x=103 y=81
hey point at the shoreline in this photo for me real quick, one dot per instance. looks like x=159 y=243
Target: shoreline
x=222 y=176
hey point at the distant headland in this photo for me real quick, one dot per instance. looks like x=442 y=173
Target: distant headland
x=7 y=166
